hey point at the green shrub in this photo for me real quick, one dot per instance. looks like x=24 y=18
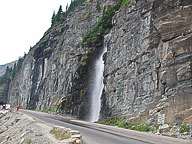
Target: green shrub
x=125 y=3
x=58 y=106
x=143 y=128
x=28 y=140
x=125 y=125
x=59 y=134
x=82 y=63
x=85 y=57
x=111 y=121
x=90 y=49
x=120 y=122
x=184 y=128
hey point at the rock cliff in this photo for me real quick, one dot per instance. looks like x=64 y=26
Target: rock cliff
x=148 y=64
x=4 y=86
x=3 y=67
x=51 y=74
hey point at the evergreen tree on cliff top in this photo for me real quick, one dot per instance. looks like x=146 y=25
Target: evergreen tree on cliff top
x=60 y=17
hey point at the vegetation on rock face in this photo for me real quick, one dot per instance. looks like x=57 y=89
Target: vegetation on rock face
x=94 y=37
x=125 y=2
x=121 y=122
x=82 y=63
x=58 y=106
x=47 y=49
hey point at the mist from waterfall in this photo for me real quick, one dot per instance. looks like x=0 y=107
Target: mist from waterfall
x=98 y=83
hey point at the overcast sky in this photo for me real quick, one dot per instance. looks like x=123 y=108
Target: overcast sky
x=22 y=24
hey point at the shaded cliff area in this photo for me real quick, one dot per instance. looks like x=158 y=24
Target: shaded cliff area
x=148 y=63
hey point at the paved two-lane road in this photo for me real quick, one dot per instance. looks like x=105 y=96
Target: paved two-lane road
x=100 y=134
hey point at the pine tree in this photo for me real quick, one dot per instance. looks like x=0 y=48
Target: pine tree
x=67 y=7
x=60 y=16
x=60 y=11
x=53 y=19
x=13 y=71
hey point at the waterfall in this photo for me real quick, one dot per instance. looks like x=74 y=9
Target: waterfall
x=98 y=83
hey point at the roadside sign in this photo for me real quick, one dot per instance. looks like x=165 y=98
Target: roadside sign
x=161 y=119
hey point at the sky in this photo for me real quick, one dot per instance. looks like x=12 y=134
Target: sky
x=22 y=24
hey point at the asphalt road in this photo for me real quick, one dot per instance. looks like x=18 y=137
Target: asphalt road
x=100 y=134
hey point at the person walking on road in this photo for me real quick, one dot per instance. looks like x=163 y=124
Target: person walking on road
x=17 y=108
x=10 y=109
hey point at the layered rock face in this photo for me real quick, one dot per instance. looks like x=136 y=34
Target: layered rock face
x=51 y=74
x=148 y=66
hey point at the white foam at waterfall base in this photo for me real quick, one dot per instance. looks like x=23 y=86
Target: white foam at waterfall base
x=98 y=83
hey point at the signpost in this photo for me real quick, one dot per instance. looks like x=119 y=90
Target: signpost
x=161 y=119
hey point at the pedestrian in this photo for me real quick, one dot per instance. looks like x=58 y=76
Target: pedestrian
x=3 y=106
x=10 y=109
x=17 y=108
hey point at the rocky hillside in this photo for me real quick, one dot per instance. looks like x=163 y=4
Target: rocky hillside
x=148 y=64
x=3 y=67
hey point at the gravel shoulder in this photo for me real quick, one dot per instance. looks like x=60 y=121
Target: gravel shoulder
x=19 y=128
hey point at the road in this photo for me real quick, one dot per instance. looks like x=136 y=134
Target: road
x=100 y=134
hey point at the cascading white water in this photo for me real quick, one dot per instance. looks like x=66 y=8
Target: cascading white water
x=98 y=83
